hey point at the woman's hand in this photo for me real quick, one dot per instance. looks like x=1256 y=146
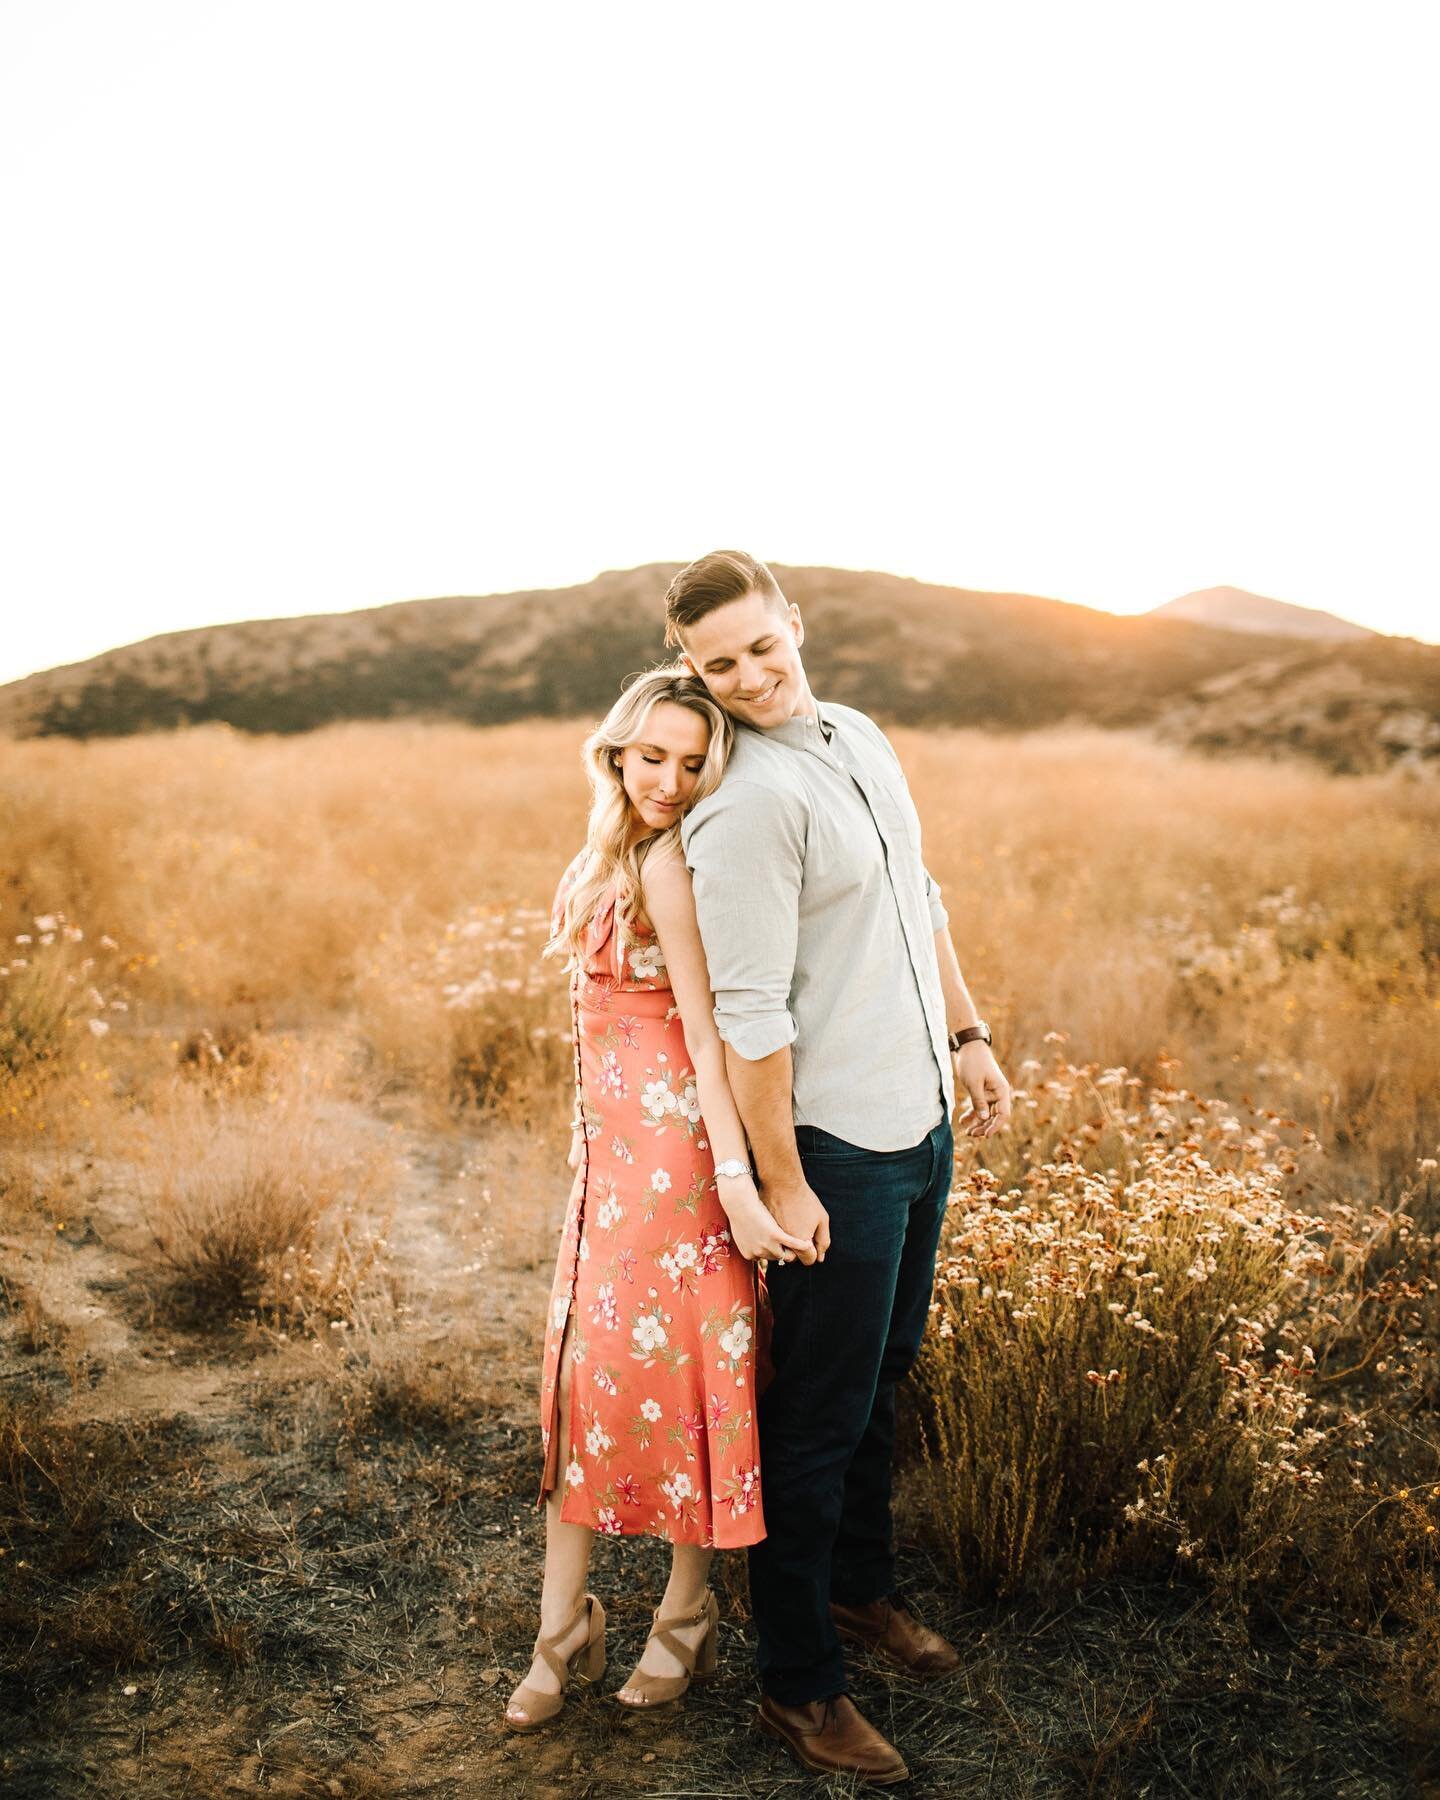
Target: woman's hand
x=753 y=1230
x=577 y=1149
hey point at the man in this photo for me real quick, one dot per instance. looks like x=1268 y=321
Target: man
x=848 y=1028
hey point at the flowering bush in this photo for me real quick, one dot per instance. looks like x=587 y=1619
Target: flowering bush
x=1117 y=1360
x=51 y=988
x=64 y=997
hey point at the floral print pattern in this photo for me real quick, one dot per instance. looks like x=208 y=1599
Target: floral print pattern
x=659 y=1305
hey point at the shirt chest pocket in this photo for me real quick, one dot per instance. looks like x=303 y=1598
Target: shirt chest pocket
x=847 y=849
x=909 y=818
x=895 y=814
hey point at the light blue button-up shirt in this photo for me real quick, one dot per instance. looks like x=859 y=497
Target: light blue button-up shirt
x=819 y=918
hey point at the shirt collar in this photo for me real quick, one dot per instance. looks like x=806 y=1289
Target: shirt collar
x=802 y=732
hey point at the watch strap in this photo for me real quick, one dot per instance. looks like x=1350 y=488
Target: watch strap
x=971 y=1034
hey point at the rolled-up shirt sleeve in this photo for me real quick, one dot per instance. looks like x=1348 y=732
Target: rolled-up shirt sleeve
x=745 y=848
x=939 y=917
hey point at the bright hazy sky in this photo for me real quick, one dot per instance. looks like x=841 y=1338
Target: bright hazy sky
x=316 y=306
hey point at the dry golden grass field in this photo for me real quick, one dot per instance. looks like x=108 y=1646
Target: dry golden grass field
x=283 y=1090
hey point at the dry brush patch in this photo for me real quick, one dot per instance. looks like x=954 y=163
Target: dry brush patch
x=259 y=1201
x=262 y=871
x=63 y=991
x=1147 y=1361
x=470 y=1012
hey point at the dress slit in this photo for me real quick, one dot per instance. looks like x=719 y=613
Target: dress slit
x=550 y=1474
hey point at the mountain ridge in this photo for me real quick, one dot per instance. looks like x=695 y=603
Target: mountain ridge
x=911 y=652
x=1237 y=609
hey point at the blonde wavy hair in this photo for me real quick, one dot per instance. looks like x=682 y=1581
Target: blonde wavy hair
x=609 y=853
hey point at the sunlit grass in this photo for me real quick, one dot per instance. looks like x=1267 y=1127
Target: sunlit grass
x=1184 y=1305
x=1275 y=929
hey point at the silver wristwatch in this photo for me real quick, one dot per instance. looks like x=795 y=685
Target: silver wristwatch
x=732 y=1168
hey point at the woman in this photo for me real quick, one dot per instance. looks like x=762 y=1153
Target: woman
x=648 y=1384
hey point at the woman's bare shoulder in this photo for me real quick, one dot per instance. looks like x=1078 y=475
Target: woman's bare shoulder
x=665 y=879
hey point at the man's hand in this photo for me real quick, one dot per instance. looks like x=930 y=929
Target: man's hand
x=754 y=1231
x=978 y=1074
x=801 y=1217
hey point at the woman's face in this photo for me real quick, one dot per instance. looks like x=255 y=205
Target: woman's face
x=661 y=768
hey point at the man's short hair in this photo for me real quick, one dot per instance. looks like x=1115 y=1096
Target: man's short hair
x=715 y=580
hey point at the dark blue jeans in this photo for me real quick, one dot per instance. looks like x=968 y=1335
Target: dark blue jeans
x=845 y=1331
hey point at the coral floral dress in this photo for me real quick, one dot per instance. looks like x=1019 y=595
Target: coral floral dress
x=661 y=1308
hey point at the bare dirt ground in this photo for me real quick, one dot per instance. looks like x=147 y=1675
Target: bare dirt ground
x=272 y=1591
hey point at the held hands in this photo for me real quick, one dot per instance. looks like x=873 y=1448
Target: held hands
x=804 y=1222
x=754 y=1230
x=978 y=1074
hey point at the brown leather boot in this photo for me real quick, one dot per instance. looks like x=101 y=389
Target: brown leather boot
x=886 y=1626
x=834 y=1738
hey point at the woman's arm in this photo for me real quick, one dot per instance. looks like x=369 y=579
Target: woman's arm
x=670 y=905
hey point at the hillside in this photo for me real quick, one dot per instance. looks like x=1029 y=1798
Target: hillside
x=1233 y=609
x=908 y=652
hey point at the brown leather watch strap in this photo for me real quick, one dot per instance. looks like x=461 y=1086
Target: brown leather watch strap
x=958 y=1039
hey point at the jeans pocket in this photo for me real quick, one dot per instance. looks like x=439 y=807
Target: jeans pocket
x=816 y=1145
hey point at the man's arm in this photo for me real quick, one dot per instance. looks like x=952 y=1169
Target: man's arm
x=745 y=846
x=671 y=905
x=976 y=1071
x=960 y=1009
x=762 y=1091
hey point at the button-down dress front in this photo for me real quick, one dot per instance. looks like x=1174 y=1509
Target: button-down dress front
x=659 y=1304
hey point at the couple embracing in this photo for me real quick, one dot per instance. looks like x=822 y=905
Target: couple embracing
x=771 y=1029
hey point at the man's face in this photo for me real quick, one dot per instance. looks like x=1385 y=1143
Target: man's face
x=747 y=653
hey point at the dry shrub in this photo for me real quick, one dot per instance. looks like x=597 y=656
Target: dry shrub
x=472 y=1012
x=395 y=1373
x=262 y=1201
x=1121 y=1369
x=65 y=1494
x=61 y=992
x=33 y=1011
x=228 y=1054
